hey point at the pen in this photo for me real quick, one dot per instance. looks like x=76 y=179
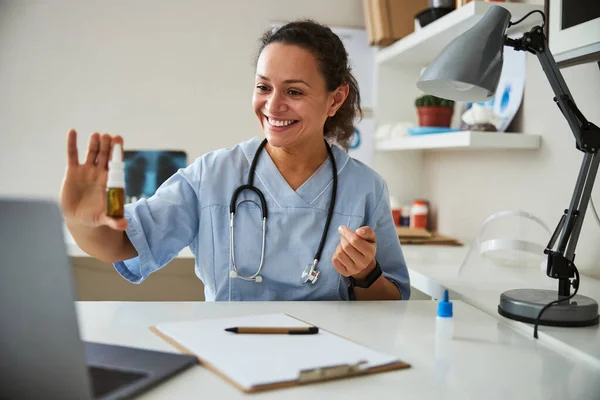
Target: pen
x=275 y=330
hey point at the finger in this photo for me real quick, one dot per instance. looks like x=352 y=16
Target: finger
x=356 y=241
x=103 y=154
x=72 y=153
x=346 y=261
x=93 y=149
x=367 y=233
x=355 y=255
x=339 y=267
x=119 y=224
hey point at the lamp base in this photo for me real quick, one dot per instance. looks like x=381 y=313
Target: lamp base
x=525 y=304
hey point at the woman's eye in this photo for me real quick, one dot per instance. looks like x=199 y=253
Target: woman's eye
x=294 y=92
x=262 y=88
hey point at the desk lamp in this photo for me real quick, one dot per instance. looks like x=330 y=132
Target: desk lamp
x=468 y=69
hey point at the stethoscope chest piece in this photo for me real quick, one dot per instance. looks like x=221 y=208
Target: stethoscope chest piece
x=310 y=273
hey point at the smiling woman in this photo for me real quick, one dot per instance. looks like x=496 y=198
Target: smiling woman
x=255 y=218
x=312 y=66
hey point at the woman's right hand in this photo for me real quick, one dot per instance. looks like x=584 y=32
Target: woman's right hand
x=83 y=192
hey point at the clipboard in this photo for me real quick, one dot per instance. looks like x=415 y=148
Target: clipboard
x=341 y=358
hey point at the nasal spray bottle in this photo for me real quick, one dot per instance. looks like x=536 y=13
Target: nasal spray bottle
x=115 y=187
x=444 y=324
x=444 y=331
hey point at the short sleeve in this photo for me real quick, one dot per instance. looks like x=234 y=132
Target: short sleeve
x=389 y=252
x=162 y=225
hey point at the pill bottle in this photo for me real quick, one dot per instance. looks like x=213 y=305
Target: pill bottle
x=405 y=216
x=419 y=213
x=396 y=210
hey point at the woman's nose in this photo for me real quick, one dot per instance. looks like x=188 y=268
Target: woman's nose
x=276 y=103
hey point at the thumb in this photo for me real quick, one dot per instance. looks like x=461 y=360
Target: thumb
x=366 y=233
x=118 y=224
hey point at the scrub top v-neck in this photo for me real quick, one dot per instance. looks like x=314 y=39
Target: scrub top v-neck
x=192 y=209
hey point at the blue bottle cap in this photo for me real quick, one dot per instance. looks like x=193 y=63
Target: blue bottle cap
x=444 y=306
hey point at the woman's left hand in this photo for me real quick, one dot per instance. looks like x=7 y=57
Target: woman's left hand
x=355 y=255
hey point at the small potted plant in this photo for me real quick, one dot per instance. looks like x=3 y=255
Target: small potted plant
x=434 y=111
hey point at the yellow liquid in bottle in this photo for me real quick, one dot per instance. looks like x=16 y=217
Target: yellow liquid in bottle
x=115 y=202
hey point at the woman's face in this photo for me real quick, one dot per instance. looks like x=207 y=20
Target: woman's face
x=290 y=97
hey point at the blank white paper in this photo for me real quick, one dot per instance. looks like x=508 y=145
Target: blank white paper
x=258 y=359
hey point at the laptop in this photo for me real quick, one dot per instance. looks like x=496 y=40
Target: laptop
x=41 y=353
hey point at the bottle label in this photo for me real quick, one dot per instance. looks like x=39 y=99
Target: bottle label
x=419 y=221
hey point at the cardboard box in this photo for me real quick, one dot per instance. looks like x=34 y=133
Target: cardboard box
x=391 y=20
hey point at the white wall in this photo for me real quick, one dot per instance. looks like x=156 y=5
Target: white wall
x=175 y=74
x=180 y=74
x=466 y=187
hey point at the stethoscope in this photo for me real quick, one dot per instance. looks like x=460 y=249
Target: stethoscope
x=310 y=273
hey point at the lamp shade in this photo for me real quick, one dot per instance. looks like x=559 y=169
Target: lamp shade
x=468 y=69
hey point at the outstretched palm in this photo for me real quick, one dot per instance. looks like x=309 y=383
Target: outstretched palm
x=83 y=194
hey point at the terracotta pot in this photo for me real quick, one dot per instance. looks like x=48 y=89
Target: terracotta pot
x=435 y=116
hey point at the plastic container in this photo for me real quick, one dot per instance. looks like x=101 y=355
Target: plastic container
x=419 y=213
x=396 y=215
x=396 y=210
x=444 y=323
x=444 y=332
x=405 y=216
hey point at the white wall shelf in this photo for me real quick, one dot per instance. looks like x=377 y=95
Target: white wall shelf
x=462 y=140
x=397 y=69
x=423 y=45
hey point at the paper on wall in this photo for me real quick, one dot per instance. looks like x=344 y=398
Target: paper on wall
x=362 y=145
x=509 y=93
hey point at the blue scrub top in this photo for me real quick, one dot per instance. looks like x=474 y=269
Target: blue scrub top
x=192 y=209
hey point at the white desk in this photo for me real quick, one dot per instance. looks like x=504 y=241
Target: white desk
x=437 y=269
x=487 y=359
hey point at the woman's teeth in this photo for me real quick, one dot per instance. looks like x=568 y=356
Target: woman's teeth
x=276 y=122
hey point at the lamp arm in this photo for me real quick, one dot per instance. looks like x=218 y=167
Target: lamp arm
x=587 y=136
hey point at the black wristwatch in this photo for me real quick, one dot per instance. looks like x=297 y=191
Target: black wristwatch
x=369 y=280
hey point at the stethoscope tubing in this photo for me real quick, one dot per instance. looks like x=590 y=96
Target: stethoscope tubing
x=250 y=186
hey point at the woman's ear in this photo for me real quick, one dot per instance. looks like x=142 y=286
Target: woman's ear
x=337 y=98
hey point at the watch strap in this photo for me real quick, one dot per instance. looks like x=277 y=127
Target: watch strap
x=369 y=279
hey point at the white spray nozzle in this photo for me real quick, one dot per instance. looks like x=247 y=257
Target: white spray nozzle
x=116 y=168
x=117 y=153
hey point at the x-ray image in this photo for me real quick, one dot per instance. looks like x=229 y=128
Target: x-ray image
x=145 y=171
